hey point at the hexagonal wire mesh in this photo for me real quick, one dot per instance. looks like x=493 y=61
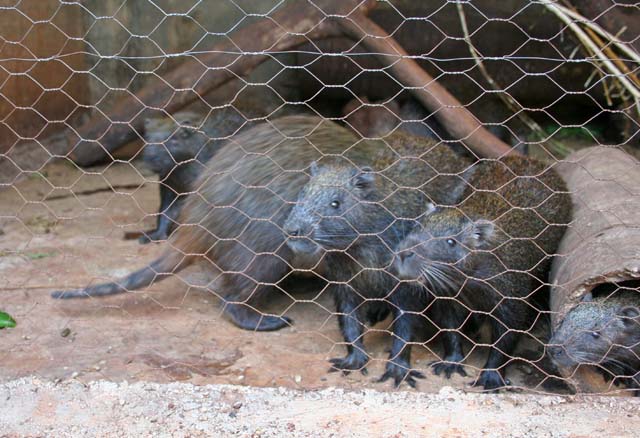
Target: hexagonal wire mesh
x=307 y=189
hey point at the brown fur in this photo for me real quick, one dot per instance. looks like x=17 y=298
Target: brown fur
x=353 y=216
x=491 y=253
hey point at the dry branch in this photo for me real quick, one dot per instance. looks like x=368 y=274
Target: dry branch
x=244 y=49
x=458 y=121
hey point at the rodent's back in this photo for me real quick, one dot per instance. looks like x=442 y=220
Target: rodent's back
x=526 y=199
x=257 y=175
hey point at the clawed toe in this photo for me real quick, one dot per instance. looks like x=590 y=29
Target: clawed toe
x=346 y=365
x=448 y=368
x=401 y=374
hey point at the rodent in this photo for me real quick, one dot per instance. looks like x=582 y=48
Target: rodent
x=232 y=222
x=602 y=331
x=353 y=216
x=177 y=149
x=486 y=258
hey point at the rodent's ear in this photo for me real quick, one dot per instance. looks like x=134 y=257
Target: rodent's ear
x=365 y=179
x=481 y=232
x=313 y=168
x=587 y=298
x=431 y=207
x=629 y=314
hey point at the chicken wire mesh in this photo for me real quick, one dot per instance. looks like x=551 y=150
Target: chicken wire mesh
x=282 y=175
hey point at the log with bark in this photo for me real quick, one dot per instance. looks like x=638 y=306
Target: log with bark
x=602 y=244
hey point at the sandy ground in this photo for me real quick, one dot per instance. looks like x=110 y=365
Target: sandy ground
x=32 y=407
x=64 y=228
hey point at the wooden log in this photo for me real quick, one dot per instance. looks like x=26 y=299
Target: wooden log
x=458 y=121
x=245 y=48
x=602 y=244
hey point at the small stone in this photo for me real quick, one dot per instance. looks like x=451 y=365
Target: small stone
x=297 y=378
x=75 y=374
x=171 y=406
x=65 y=332
x=240 y=377
x=237 y=405
x=291 y=427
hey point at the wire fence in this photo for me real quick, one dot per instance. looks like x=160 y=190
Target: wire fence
x=431 y=193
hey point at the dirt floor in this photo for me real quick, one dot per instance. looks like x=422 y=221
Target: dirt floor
x=105 y=409
x=64 y=228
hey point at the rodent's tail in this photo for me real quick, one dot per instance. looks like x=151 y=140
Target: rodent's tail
x=168 y=263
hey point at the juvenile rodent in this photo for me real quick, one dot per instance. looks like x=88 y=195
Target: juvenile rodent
x=602 y=331
x=489 y=257
x=232 y=222
x=177 y=149
x=353 y=217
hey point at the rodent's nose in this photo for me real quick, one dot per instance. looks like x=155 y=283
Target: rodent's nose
x=556 y=351
x=405 y=255
x=293 y=232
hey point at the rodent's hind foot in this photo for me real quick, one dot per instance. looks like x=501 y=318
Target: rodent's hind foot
x=351 y=362
x=447 y=367
x=401 y=373
x=247 y=318
x=272 y=323
x=491 y=380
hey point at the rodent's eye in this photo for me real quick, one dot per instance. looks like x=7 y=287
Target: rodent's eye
x=595 y=335
x=335 y=204
x=451 y=242
x=185 y=133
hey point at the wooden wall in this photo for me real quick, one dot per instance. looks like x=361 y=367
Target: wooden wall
x=58 y=61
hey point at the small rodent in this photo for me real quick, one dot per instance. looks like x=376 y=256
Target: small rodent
x=177 y=149
x=353 y=216
x=602 y=331
x=487 y=257
x=232 y=222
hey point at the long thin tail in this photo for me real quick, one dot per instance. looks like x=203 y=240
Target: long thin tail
x=167 y=264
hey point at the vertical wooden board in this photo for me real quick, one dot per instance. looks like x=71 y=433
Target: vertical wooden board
x=38 y=56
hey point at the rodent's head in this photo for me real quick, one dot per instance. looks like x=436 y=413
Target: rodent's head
x=596 y=332
x=181 y=126
x=172 y=140
x=332 y=209
x=437 y=254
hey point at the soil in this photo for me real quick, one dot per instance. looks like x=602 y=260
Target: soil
x=32 y=407
x=63 y=227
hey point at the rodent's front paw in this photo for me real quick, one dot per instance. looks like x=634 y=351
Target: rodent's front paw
x=401 y=373
x=491 y=380
x=351 y=362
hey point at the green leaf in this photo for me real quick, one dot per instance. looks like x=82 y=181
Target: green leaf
x=6 y=321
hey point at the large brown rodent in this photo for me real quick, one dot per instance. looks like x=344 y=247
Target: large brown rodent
x=353 y=216
x=177 y=149
x=602 y=331
x=488 y=257
x=232 y=223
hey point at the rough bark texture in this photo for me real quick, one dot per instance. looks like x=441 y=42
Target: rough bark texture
x=602 y=244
